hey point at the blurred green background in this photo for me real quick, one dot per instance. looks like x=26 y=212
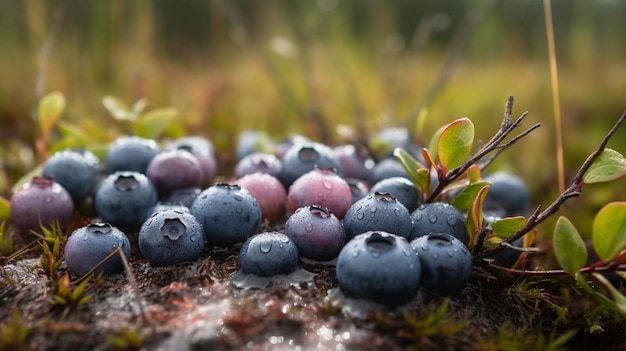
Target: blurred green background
x=309 y=66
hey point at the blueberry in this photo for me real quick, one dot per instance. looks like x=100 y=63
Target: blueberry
x=171 y=237
x=318 y=234
x=380 y=267
x=174 y=169
x=123 y=198
x=185 y=196
x=303 y=157
x=354 y=162
x=251 y=141
x=130 y=153
x=446 y=263
x=90 y=245
x=259 y=162
x=203 y=150
x=268 y=192
x=268 y=254
x=78 y=172
x=387 y=168
x=439 y=217
x=378 y=212
x=162 y=206
x=508 y=191
x=358 y=188
x=228 y=213
x=322 y=187
x=402 y=189
x=40 y=202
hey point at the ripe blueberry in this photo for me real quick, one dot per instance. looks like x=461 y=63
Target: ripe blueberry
x=318 y=234
x=446 y=263
x=78 y=172
x=88 y=246
x=303 y=157
x=185 y=196
x=203 y=150
x=387 y=168
x=268 y=254
x=439 y=217
x=321 y=187
x=402 y=189
x=380 y=267
x=229 y=214
x=123 y=198
x=259 y=162
x=353 y=162
x=268 y=192
x=508 y=191
x=40 y=202
x=378 y=212
x=130 y=153
x=174 y=169
x=171 y=237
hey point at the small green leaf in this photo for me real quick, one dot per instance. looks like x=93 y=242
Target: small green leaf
x=505 y=227
x=473 y=174
x=569 y=247
x=610 y=165
x=5 y=208
x=118 y=109
x=411 y=166
x=618 y=298
x=609 y=230
x=475 y=215
x=139 y=106
x=455 y=143
x=74 y=134
x=465 y=197
x=151 y=124
x=50 y=108
x=434 y=141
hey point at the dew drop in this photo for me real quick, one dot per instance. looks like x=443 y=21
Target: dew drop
x=355 y=254
x=193 y=238
x=327 y=184
x=375 y=254
x=451 y=253
x=283 y=238
x=265 y=247
x=238 y=209
x=48 y=199
x=308 y=227
x=238 y=197
x=418 y=217
x=360 y=215
x=435 y=256
x=451 y=221
x=372 y=209
x=397 y=212
x=425 y=247
x=432 y=219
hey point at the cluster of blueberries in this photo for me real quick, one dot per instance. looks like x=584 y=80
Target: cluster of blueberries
x=385 y=243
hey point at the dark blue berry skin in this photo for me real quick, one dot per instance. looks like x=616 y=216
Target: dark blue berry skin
x=446 y=263
x=123 y=199
x=259 y=162
x=402 y=189
x=130 y=153
x=318 y=234
x=358 y=188
x=509 y=192
x=228 y=213
x=90 y=245
x=353 y=162
x=267 y=254
x=302 y=158
x=171 y=237
x=380 y=212
x=174 y=169
x=185 y=196
x=439 y=217
x=78 y=171
x=202 y=149
x=387 y=168
x=380 y=267
x=40 y=202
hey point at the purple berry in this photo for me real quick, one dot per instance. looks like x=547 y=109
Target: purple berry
x=259 y=162
x=268 y=192
x=303 y=157
x=355 y=163
x=90 y=245
x=321 y=187
x=174 y=169
x=40 y=202
x=318 y=234
x=203 y=150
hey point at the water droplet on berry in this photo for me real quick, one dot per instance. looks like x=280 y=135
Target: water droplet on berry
x=239 y=209
x=435 y=256
x=238 y=197
x=397 y=212
x=308 y=227
x=327 y=184
x=360 y=215
x=283 y=238
x=432 y=219
x=425 y=247
x=193 y=238
x=48 y=199
x=265 y=247
x=451 y=253
x=451 y=221
x=355 y=254
x=418 y=217
x=372 y=209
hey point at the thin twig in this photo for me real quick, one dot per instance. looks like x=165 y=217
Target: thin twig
x=551 y=272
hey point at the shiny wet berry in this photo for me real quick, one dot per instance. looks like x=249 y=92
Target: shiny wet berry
x=40 y=202
x=302 y=158
x=318 y=234
x=78 y=172
x=439 y=217
x=267 y=254
x=321 y=187
x=130 y=153
x=269 y=193
x=378 y=212
x=91 y=245
x=175 y=169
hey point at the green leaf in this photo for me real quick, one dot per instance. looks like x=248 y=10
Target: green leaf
x=505 y=227
x=618 y=298
x=434 y=141
x=74 y=134
x=5 y=208
x=618 y=303
x=410 y=164
x=569 y=247
x=475 y=215
x=455 y=143
x=473 y=174
x=464 y=198
x=118 y=109
x=609 y=230
x=151 y=124
x=50 y=108
x=139 y=106
x=610 y=165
